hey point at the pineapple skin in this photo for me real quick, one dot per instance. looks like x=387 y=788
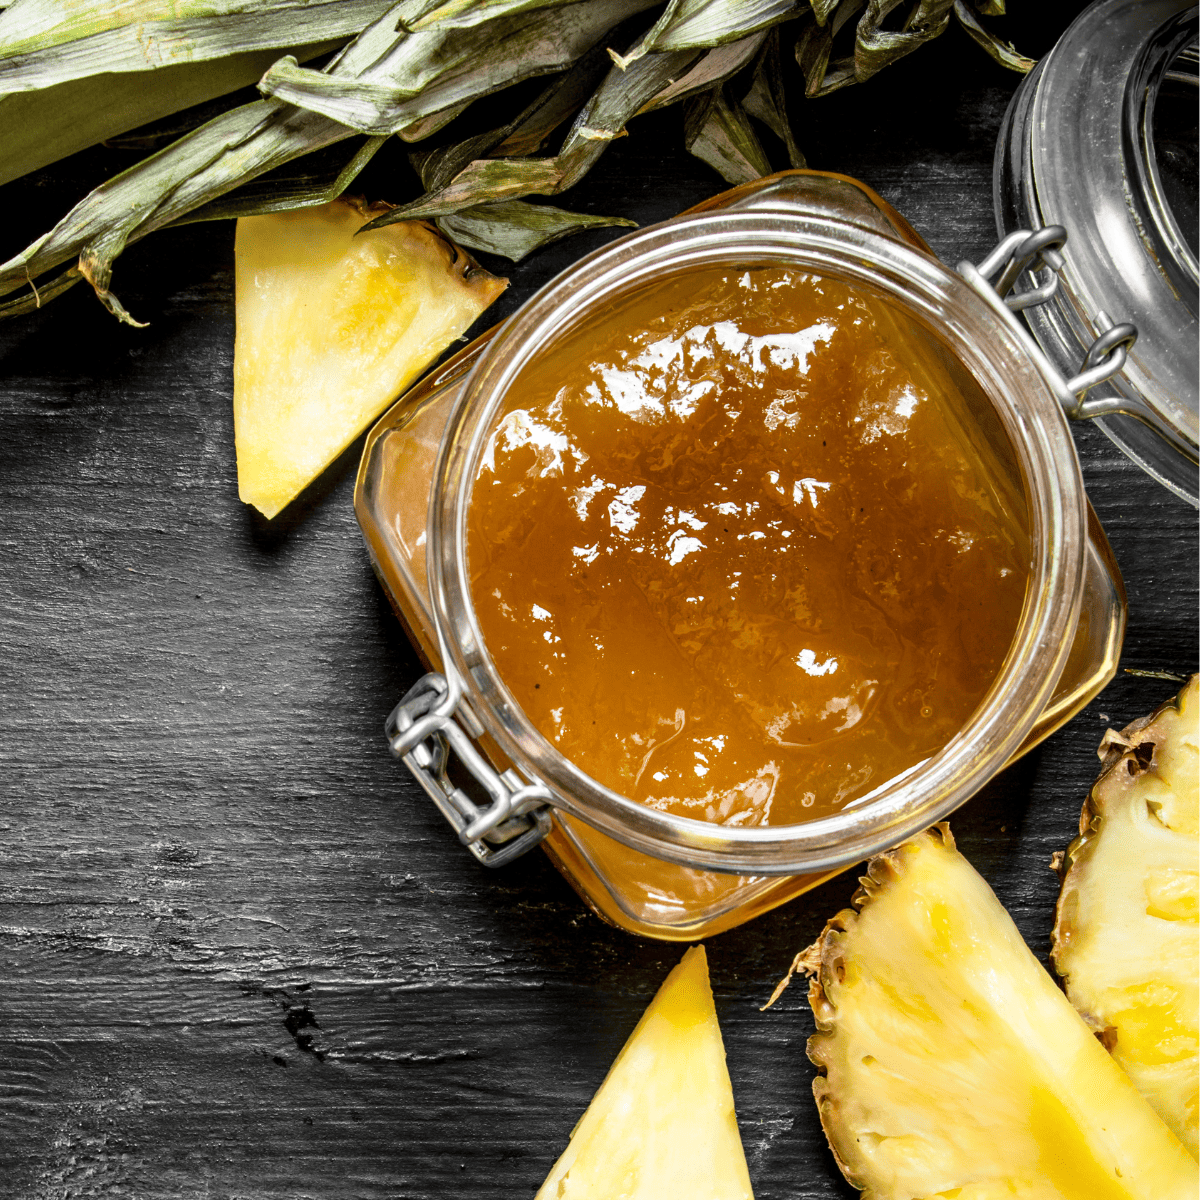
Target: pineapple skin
x=1125 y=935
x=331 y=328
x=662 y=1124
x=949 y=1063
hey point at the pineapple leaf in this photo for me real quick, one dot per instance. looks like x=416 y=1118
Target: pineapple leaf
x=485 y=180
x=524 y=134
x=158 y=191
x=299 y=189
x=47 y=42
x=1005 y=53
x=619 y=97
x=37 y=296
x=697 y=24
x=717 y=131
x=416 y=66
x=813 y=48
x=718 y=65
x=558 y=103
x=876 y=47
x=815 y=45
x=514 y=229
x=767 y=101
x=40 y=127
x=462 y=14
x=430 y=70
x=230 y=150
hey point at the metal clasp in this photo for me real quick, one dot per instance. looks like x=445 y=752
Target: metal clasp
x=1038 y=252
x=1025 y=251
x=422 y=730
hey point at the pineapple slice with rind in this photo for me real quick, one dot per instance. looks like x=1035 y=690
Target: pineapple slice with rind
x=951 y=1066
x=662 y=1124
x=331 y=327
x=1126 y=935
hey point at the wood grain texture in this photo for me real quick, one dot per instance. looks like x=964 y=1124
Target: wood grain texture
x=240 y=955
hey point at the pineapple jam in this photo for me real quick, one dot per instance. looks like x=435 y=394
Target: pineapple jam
x=747 y=548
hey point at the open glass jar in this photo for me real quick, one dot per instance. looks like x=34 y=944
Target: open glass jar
x=650 y=871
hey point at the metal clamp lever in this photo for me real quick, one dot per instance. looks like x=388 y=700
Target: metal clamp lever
x=422 y=731
x=1024 y=251
x=1105 y=357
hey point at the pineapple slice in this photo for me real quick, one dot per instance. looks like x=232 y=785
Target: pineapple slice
x=1126 y=934
x=330 y=329
x=950 y=1063
x=662 y=1124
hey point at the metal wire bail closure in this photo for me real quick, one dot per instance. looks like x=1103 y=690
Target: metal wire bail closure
x=1036 y=252
x=422 y=731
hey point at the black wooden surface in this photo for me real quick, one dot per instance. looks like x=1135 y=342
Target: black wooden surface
x=240 y=956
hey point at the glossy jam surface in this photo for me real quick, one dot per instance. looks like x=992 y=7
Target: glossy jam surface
x=746 y=548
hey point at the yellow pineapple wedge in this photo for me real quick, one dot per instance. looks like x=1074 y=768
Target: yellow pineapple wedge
x=662 y=1125
x=950 y=1063
x=1126 y=934
x=330 y=329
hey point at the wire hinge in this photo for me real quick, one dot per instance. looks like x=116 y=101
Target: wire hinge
x=422 y=730
x=1040 y=253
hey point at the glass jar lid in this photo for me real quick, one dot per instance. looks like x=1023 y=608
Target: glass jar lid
x=1101 y=139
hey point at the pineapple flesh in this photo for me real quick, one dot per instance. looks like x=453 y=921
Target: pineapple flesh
x=663 y=1123
x=1125 y=938
x=950 y=1065
x=330 y=329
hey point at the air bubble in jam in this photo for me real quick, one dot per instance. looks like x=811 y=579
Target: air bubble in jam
x=747 y=547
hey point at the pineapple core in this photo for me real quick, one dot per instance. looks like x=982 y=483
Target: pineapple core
x=662 y=1124
x=330 y=329
x=1126 y=938
x=951 y=1064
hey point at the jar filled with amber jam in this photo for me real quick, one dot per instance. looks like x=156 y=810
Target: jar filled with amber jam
x=751 y=545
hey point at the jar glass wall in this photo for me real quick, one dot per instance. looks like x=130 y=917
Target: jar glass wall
x=676 y=877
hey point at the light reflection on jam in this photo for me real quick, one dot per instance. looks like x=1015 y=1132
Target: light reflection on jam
x=740 y=550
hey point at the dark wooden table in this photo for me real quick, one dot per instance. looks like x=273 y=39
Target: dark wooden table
x=240 y=955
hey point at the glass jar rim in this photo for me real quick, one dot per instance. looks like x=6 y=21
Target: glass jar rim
x=991 y=347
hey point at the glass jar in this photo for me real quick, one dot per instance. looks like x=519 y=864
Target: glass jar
x=1101 y=138
x=652 y=872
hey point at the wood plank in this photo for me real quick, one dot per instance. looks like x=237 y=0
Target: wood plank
x=241 y=955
